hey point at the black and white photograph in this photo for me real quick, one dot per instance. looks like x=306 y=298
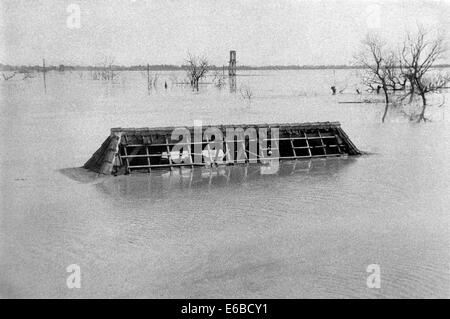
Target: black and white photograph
x=224 y=150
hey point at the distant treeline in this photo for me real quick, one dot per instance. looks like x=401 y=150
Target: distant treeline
x=169 y=67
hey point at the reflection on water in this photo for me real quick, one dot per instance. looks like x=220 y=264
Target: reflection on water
x=160 y=183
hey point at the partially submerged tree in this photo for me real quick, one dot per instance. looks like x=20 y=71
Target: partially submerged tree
x=218 y=79
x=410 y=69
x=105 y=71
x=380 y=67
x=246 y=92
x=419 y=54
x=197 y=69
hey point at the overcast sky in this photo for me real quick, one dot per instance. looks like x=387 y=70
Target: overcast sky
x=163 y=31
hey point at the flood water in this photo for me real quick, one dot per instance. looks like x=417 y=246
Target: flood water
x=308 y=229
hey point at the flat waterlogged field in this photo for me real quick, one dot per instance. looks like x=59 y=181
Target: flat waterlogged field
x=309 y=230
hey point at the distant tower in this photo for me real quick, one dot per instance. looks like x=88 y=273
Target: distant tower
x=232 y=64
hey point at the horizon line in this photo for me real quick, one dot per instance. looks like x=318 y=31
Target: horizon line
x=174 y=67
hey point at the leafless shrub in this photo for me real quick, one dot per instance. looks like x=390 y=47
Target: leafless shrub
x=105 y=71
x=197 y=69
x=246 y=92
x=219 y=79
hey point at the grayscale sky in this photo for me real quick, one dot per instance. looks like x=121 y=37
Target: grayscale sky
x=163 y=31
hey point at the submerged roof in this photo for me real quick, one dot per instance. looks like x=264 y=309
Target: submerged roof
x=307 y=125
x=127 y=149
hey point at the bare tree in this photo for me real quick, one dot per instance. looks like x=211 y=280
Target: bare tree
x=419 y=54
x=197 y=69
x=246 y=92
x=380 y=67
x=105 y=71
x=219 y=79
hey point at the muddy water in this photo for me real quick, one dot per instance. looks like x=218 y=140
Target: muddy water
x=308 y=229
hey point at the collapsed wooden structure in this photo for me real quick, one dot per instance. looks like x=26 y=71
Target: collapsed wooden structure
x=128 y=150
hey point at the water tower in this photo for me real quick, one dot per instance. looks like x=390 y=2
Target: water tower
x=232 y=64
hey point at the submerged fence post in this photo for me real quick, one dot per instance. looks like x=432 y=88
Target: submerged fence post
x=43 y=73
x=148 y=77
